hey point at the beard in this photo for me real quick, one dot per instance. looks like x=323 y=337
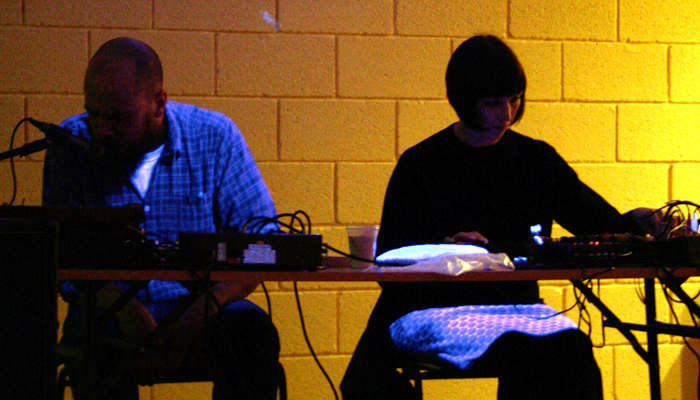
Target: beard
x=113 y=163
x=117 y=159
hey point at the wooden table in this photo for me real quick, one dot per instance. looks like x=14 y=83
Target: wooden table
x=337 y=269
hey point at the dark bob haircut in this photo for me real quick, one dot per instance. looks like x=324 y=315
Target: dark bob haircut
x=482 y=67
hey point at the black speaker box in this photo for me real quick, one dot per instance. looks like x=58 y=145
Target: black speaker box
x=28 y=261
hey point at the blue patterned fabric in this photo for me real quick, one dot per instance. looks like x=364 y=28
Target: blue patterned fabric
x=206 y=180
x=459 y=335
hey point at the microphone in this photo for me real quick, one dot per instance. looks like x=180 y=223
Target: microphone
x=55 y=133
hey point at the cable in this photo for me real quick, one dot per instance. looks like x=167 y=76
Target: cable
x=12 y=163
x=583 y=316
x=267 y=298
x=308 y=343
x=259 y=223
x=368 y=260
x=674 y=220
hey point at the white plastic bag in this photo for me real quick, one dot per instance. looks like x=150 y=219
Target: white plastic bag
x=455 y=265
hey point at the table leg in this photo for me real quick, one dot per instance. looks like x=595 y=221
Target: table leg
x=87 y=357
x=652 y=339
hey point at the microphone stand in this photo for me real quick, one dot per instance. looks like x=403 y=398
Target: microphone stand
x=29 y=148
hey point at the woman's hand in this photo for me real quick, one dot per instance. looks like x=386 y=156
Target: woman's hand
x=475 y=238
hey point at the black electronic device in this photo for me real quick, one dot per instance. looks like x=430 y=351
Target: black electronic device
x=673 y=252
x=250 y=252
x=605 y=250
x=89 y=237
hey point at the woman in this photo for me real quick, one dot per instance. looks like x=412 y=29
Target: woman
x=477 y=181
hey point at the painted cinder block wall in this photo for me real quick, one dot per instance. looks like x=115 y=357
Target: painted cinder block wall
x=331 y=96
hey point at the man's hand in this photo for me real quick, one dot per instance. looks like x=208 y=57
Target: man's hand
x=135 y=320
x=181 y=341
x=162 y=356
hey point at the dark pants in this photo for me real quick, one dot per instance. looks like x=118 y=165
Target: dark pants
x=559 y=366
x=241 y=355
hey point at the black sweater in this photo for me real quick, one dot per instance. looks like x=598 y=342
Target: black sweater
x=441 y=186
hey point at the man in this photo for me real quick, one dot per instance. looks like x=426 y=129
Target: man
x=191 y=170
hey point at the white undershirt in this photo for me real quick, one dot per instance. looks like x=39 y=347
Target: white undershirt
x=142 y=175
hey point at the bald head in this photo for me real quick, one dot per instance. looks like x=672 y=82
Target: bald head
x=128 y=56
x=125 y=100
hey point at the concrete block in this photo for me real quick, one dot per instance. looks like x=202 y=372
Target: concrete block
x=678 y=373
x=337 y=16
x=627 y=186
x=256 y=118
x=417 y=120
x=685 y=184
x=681 y=314
x=302 y=186
x=29 y=173
x=624 y=301
x=319 y=310
x=392 y=67
x=659 y=21
x=361 y=189
x=330 y=285
x=60 y=68
x=552 y=296
x=679 y=370
x=86 y=13
x=631 y=374
x=52 y=109
x=275 y=65
x=335 y=236
x=214 y=15
x=564 y=19
x=558 y=231
x=579 y=132
x=306 y=381
x=615 y=72
x=11 y=12
x=29 y=180
x=354 y=309
x=182 y=391
x=684 y=78
x=11 y=112
x=542 y=62
x=589 y=319
x=606 y=362
x=658 y=132
x=451 y=17
x=339 y=130
x=455 y=389
x=187 y=69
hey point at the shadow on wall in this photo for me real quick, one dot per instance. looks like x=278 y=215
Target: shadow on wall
x=683 y=374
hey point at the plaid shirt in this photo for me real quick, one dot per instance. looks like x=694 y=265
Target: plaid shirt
x=205 y=181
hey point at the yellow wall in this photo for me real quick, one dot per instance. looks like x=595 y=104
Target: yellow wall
x=329 y=101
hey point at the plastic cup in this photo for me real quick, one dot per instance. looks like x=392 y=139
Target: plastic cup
x=363 y=243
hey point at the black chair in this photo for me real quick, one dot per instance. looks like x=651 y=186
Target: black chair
x=65 y=352
x=462 y=334
x=418 y=367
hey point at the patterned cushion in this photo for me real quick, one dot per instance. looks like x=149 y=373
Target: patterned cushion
x=459 y=335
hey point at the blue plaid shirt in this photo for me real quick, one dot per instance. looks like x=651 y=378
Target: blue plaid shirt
x=205 y=181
